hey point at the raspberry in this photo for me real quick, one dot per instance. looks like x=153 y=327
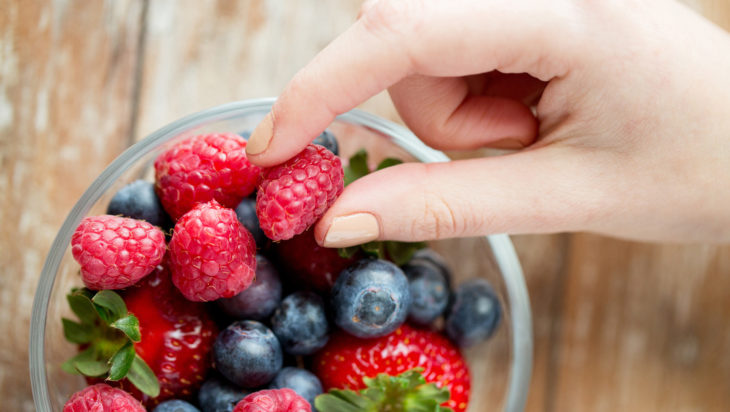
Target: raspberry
x=116 y=252
x=102 y=398
x=203 y=168
x=273 y=400
x=293 y=195
x=211 y=254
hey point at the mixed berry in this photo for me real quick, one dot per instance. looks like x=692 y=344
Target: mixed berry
x=206 y=291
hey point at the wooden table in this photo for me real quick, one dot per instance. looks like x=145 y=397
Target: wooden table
x=618 y=325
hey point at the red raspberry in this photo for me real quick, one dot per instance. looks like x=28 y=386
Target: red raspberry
x=273 y=400
x=203 y=168
x=212 y=255
x=102 y=398
x=116 y=252
x=293 y=195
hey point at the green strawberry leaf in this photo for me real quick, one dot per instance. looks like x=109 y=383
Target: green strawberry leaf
x=77 y=332
x=348 y=252
x=129 y=325
x=87 y=363
x=376 y=249
x=405 y=392
x=121 y=362
x=402 y=252
x=388 y=162
x=80 y=302
x=143 y=378
x=357 y=167
x=109 y=305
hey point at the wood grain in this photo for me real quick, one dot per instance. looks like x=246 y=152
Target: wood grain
x=66 y=82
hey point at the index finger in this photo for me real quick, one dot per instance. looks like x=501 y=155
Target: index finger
x=394 y=39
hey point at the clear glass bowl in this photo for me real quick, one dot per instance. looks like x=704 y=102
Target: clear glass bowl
x=500 y=367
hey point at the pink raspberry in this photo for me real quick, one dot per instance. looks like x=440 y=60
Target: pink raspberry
x=273 y=400
x=212 y=255
x=116 y=252
x=102 y=398
x=203 y=168
x=293 y=195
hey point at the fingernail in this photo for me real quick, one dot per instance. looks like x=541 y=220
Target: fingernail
x=261 y=136
x=352 y=230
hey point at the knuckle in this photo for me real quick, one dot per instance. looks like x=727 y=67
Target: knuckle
x=390 y=16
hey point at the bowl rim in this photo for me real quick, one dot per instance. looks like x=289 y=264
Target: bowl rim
x=502 y=247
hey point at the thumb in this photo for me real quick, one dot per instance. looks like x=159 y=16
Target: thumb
x=535 y=191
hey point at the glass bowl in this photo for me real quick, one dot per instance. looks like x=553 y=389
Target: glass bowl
x=500 y=367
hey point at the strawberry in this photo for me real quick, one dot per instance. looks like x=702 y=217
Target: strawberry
x=310 y=264
x=150 y=341
x=347 y=360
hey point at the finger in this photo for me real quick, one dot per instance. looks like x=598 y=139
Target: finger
x=444 y=113
x=533 y=191
x=394 y=39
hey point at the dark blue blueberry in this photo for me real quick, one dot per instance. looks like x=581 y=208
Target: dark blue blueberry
x=327 y=139
x=138 y=200
x=219 y=395
x=300 y=323
x=248 y=354
x=246 y=213
x=301 y=381
x=175 y=405
x=474 y=314
x=430 y=256
x=430 y=291
x=370 y=298
x=260 y=299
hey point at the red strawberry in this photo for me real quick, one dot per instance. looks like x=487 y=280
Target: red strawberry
x=177 y=336
x=311 y=264
x=102 y=398
x=273 y=400
x=212 y=255
x=116 y=252
x=346 y=360
x=203 y=168
x=150 y=341
x=293 y=195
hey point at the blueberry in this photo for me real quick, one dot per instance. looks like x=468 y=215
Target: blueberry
x=370 y=298
x=301 y=381
x=430 y=291
x=430 y=256
x=300 y=323
x=260 y=299
x=474 y=314
x=248 y=354
x=245 y=134
x=327 y=139
x=175 y=405
x=138 y=200
x=219 y=395
x=246 y=213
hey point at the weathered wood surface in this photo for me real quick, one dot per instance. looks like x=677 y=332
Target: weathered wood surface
x=618 y=325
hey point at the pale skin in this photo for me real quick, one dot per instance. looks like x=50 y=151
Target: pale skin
x=630 y=136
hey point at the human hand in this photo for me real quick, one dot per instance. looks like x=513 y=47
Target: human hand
x=631 y=136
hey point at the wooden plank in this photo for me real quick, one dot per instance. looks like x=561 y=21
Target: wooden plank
x=66 y=81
